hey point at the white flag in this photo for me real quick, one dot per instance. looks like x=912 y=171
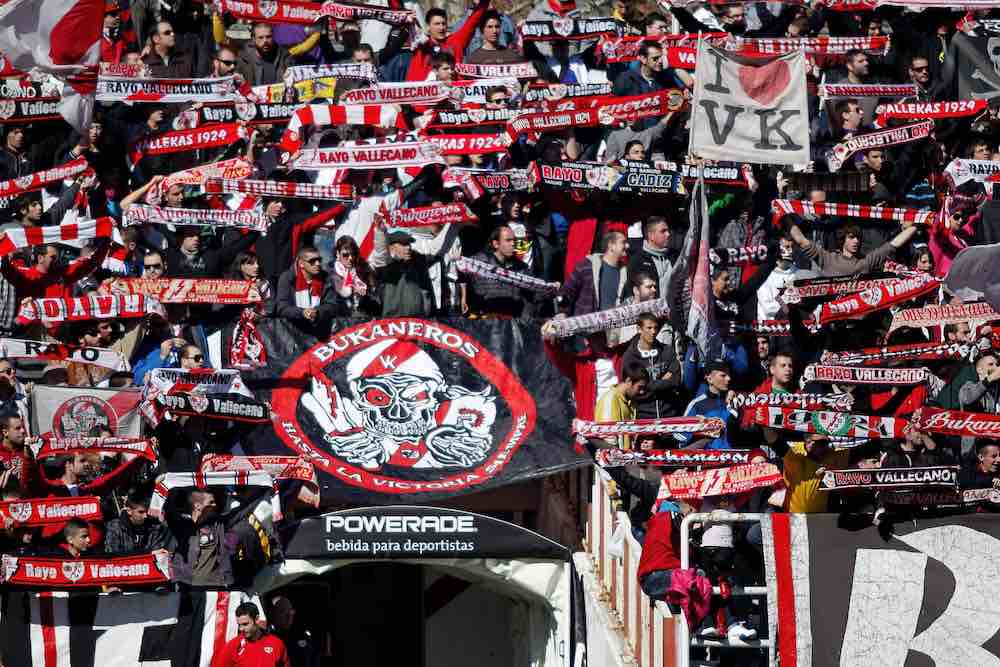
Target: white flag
x=750 y=112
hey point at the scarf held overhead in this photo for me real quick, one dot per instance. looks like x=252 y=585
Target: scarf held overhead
x=25 y=237
x=374 y=156
x=783 y=207
x=674 y=458
x=877 y=298
x=257 y=188
x=692 y=485
x=13 y=348
x=35 y=512
x=829 y=423
x=889 y=478
x=140 y=569
x=143 y=214
x=95 y=307
x=190 y=290
x=202 y=480
x=505 y=276
x=41 y=179
x=165 y=91
x=112 y=445
x=864 y=375
x=890 y=137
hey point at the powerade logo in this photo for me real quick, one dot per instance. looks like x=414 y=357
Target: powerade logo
x=401 y=524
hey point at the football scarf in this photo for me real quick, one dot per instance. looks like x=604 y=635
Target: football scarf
x=760 y=327
x=40 y=571
x=554 y=92
x=960 y=171
x=731 y=175
x=533 y=124
x=25 y=237
x=783 y=207
x=71 y=446
x=867 y=90
x=603 y=320
x=575 y=175
x=331 y=115
x=444 y=214
x=42 y=179
x=938 y=498
x=334 y=192
x=930 y=316
x=232 y=169
x=408 y=92
x=302 y=92
x=473 y=91
x=202 y=480
x=890 y=137
x=896 y=353
x=877 y=298
x=889 y=478
x=821 y=45
x=95 y=307
x=692 y=485
x=35 y=512
x=282 y=468
x=346 y=70
x=756 y=254
x=674 y=458
x=709 y=426
x=227 y=407
x=370 y=156
x=935 y=110
x=13 y=348
x=958 y=423
x=627 y=108
x=812 y=288
x=523 y=70
x=247 y=350
x=865 y=375
x=570 y=29
x=625 y=49
x=190 y=290
x=165 y=91
x=829 y=423
x=504 y=276
x=22 y=111
x=202 y=380
x=837 y=402
x=272 y=11
x=468 y=144
x=179 y=141
x=143 y=214
x=308 y=291
x=470 y=117
x=342 y=11
x=640 y=178
x=475 y=183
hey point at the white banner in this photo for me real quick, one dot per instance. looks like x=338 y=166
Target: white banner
x=750 y=113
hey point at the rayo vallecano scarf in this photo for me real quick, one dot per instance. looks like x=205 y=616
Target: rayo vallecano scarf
x=837 y=402
x=335 y=191
x=673 y=458
x=811 y=288
x=891 y=137
x=877 y=298
x=165 y=91
x=501 y=275
x=710 y=426
x=202 y=380
x=226 y=407
x=895 y=353
x=626 y=48
x=468 y=144
x=346 y=70
x=868 y=90
x=190 y=290
x=442 y=214
x=141 y=214
x=824 y=45
x=232 y=169
x=470 y=116
x=956 y=422
x=834 y=424
x=272 y=11
x=41 y=179
x=329 y=115
x=34 y=512
x=247 y=351
x=522 y=70
x=603 y=320
x=14 y=348
x=756 y=254
x=941 y=497
x=51 y=310
x=370 y=156
x=25 y=237
x=782 y=207
x=47 y=572
x=882 y=478
x=570 y=29
x=930 y=316
x=477 y=182
x=342 y=11
x=936 y=110
x=864 y=375
x=692 y=485
x=408 y=92
x=537 y=94
x=203 y=480
x=63 y=446
x=179 y=141
x=547 y=121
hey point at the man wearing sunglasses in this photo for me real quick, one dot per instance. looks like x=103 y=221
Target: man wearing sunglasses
x=163 y=58
x=306 y=295
x=224 y=62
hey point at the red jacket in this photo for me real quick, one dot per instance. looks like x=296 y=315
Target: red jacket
x=661 y=550
x=268 y=651
x=57 y=283
x=456 y=42
x=36 y=485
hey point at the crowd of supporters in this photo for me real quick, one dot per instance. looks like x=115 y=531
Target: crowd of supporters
x=322 y=261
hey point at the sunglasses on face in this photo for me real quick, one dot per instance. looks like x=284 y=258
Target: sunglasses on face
x=153 y=266
x=346 y=253
x=311 y=260
x=229 y=63
x=198 y=358
x=7 y=371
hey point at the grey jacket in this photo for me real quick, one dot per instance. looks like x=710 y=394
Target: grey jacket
x=256 y=72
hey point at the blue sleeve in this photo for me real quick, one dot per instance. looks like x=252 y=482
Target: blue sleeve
x=693 y=410
x=147 y=363
x=690 y=370
x=737 y=358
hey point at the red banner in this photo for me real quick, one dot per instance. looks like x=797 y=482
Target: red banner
x=141 y=569
x=877 y=298
x=189 y=290
x=956 y=422
x=718 y=481
x=68 y=446
x=50 y=511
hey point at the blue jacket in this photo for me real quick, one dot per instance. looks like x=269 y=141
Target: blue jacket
x=708 y=405
x=735 y=356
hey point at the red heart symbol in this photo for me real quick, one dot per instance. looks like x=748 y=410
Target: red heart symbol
x=766 y=82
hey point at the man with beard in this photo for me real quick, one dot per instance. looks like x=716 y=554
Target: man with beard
x=12 y=447
x=204 y=554
x=253 y=647
x=262 y=61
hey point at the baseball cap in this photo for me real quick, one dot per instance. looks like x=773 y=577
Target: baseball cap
x=399 y=237
x=717 y=365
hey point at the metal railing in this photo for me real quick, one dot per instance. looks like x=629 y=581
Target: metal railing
x=684 y=640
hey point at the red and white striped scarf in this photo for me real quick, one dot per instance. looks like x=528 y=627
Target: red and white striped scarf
x=113 y=445
x=14 y=348
x=468 y=144
x=864 y=375
x=165 y=91
x=891 y=137
x=356 y=12
x=203 y=480
x=407 y=92
x=142 y=214
x=190 y=290
x=274 y=11
x=52 y=310
x=893 y=353
x=44 y=178
x=603 y=320
x=915 y=110
x=337 y=191
x=326 y=115
x=692 y=485
x=752 y=400
x=370 y=156
x=811 y=288
x=930 y=316
x=505 y=276
x=443 y=214
x=877 y=298
x=823 y=45
x=783 y=207
x=868 y=90
x=307 y=290
x=247 y=351
x=182 y=141
x=234 y=168
x=26 y=237
x=626 y=48
x=281 y=468
x=347 y=70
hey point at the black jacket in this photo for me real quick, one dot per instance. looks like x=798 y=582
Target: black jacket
x=211 y=262
x=405 y=288
x=485 y=296
x=663 y=398
x=330 y=304
x=123 y=538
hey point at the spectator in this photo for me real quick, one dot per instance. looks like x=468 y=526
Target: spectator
x=597 y=281
x=262 y=61
x=253 y=646
x=12 y=447
x=189 y=258
x=805 y=464
x=712 y=403
x=618 y=403
x=981 y=470
x=847 y=261
x=438 y=39
x=78 y=476
x=13 y=399
x=164 y=60
x=492 y=52
x=134 y=531
x=302 y=650
x=76 y=539
x=205 y=548
x=486 y=299
x=306 y=295
x=655 y=258
x=404 y=285
x=48 y=277
x=353 y=280
x=662 y=397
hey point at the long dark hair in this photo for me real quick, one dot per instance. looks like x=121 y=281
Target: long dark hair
x=241 y=259
x=361 y=266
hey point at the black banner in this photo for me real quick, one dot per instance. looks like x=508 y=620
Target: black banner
x=914 y=593
x=401 y=410
x=215 y=406
x=415 y=532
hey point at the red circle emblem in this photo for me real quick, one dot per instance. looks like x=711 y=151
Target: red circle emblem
x=403 y=406
x=76 y=417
